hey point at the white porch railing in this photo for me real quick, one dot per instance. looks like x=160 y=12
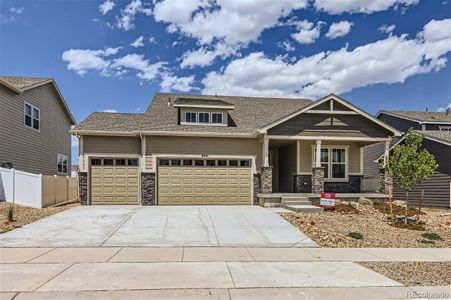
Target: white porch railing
x=369 y=184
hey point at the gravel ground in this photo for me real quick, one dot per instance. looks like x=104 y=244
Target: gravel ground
x=409 y=273
x=25 y=215
x=331 y=229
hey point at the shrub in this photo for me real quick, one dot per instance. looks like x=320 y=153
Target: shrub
x=351 y=205
x=432 y=236
x=11 y=214
x=427 y=241
x=376 y=201
x=356 y=235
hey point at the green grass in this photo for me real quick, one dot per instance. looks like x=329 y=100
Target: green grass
x=11 y=214
x=351 y=205
x=376 y=201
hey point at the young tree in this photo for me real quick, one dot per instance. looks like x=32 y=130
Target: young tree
x=408 y=164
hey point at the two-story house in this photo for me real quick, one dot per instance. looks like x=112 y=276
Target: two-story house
x=200 y=149
x=436 y=129
x=34 y=126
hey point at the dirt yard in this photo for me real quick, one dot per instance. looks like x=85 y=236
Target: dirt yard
x=414 y=273
x=358 y=225
x=25 y=215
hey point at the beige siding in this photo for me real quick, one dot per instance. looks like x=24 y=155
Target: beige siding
x=287 y=167
x=306 y=155
x=111 y=145
x=28 y=149
x=204 y=145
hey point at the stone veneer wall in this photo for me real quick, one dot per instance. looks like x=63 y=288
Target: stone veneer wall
x=257 y=188
x=351 y=186
x=266 y=180
x=148 y=189
x=384 y=182
x=83 y=187
x=302 y=183
x=317 y=180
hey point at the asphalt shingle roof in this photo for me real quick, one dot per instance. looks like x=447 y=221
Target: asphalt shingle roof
x=437 y=134
x=21 y=83
x=423 y=116
x=250 y=114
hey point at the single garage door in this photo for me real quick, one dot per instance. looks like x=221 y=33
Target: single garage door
x=114 y=181
x=204 y=181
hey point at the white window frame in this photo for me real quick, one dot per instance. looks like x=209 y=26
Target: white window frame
x=203 y=113
x=444 y=128
x=328 y=177
x=217 y=113
x=32 y=117
x=61 y=158
x=210 y=118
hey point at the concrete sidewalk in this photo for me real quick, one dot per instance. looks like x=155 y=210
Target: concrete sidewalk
x=218 y=254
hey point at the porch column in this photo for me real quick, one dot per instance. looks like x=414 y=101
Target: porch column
x=318 y=171
x=384 y=181
x=266 y=169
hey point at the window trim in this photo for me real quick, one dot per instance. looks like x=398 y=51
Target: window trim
x=32 y=118
x=58 y=155
x=210 y=118
x=444 y=128
x=330 y=163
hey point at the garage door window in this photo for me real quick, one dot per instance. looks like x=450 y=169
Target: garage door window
x=132 y=162
x=245 y=163
x=107 y=162
x=96 y=162
x=199 y=163
x=120 y=162
x=222 y=163
x=164 y=162
x=175 y=162
x=211 y=163
x=233 y=163
x=187 y=162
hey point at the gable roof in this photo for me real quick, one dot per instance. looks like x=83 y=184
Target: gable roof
x=21 y=84
x=250 y=114
x=419 y=116
x=339 y=100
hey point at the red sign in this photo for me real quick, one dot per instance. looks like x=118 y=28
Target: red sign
x=327 y=200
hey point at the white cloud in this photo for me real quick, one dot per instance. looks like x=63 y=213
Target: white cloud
x=387 y=28
x=203 y=57
x=233 y=22
x=359 y=6
x=152 y=40
x=83 y=60
x=174 y=83
x=146 y=70
x=16 y=10
x=139 y=42
x=307 y=32
x=127 y=18
x=106 y=6
x=391 y=60
x=11 y=15
x=110 y=110
x=339 y=29
x=443 y=109
x=286 y=45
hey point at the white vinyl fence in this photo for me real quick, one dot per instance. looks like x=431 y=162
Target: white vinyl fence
x=36 y=190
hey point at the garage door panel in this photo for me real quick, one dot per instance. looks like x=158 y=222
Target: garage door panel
x=204 y=185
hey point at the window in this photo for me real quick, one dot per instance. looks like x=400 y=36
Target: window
x=175 y=162
x=204 y=117
x=190 y=117
x=120 y=162
x=233 y=163
x=164 y=162
x=132 y=162
x=445 y=128
x=107 y=162
x=216 y=118
x=222 y=163
x=61 y=160
x=32 y=116
x=187 y=162
x=96 y=162
x=334 y=162
x=211 y=163
x=245 y=163
x=198 y=162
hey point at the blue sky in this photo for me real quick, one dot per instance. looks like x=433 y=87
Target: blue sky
x=114 y=55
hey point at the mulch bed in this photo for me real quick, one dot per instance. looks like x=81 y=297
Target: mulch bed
x=333 y=228
x=25 y=215
x=414 y=273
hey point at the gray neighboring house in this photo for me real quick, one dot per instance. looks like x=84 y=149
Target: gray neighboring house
x=34 y=126
x=436 y=128
x=200 y=149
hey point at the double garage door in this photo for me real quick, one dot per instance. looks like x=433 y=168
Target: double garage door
x=204 y=181
x=114 y=181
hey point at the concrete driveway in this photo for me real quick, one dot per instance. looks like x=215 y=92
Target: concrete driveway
x=97 y=226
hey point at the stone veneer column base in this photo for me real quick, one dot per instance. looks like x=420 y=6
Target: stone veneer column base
x=266 y=180
x=384 y=182
x=148 y=189
x=83 y=187
x=317 y=180
x=257 y=188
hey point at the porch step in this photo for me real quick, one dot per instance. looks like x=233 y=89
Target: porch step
x=295 y=202
x=303 y=208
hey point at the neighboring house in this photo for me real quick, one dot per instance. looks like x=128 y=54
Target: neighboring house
x=34 y=126
x=198 y=149
x=436 y=128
